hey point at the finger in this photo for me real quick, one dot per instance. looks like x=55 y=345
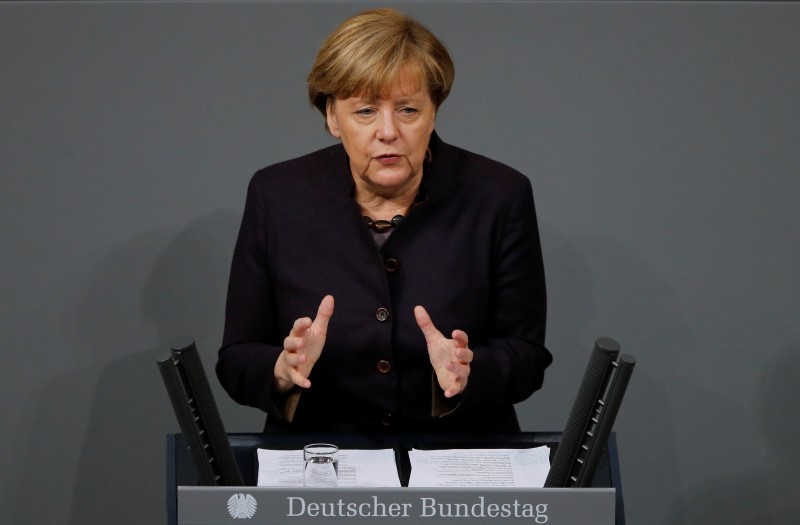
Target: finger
x=293 y=344
x=426 y=324
x=296 y=340
x=287 y=371
x=294 y=359
x=299 y=379
x=463 y=355
x=460 y=370
x=461 y=338
x=300 y=326
x=324 y=313
x=455 y=388
x=460 y=378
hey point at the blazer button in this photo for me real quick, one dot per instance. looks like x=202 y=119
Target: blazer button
x=382 y=314
x=391 y=264
x=384 y=366
x=386 y=420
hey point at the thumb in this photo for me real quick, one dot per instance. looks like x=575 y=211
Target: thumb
x=324 y=313
x=425 y=324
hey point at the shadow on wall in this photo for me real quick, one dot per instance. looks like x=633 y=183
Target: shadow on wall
x=571 y=305
x=121 y=469
x=600 y=287
x=768 y=495
x=103 y=325
x=121 y=464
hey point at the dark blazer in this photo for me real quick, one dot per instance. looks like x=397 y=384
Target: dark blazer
x=469 y=253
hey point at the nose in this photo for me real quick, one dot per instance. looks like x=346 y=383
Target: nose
x=387 y=127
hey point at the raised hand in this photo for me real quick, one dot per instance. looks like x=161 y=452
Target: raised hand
x=450 y=358
x=302 y=347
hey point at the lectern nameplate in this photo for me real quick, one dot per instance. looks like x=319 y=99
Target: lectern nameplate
x=435 y=506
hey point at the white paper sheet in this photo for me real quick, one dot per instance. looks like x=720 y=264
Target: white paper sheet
x=357 y=468
x=526 y=467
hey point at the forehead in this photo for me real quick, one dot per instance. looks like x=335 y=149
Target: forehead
x=383 y=80
x=405 y=85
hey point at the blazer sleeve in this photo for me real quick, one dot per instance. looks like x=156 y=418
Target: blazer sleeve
x=509 y=365
x=251 y=343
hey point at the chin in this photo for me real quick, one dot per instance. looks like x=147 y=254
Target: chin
x=391 y=179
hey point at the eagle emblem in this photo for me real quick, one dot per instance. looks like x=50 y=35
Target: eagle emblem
x=242 y=506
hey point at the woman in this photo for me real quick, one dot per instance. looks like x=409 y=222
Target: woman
x=391 y=282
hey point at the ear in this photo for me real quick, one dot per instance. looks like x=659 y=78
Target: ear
x=330 y=118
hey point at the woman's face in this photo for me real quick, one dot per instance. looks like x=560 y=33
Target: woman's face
x=386 y=138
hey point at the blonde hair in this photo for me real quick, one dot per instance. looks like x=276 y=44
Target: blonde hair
x=367 y=54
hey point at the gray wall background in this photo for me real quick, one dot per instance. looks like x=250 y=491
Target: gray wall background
x=661 y=140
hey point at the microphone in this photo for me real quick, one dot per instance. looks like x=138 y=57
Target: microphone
x=593 y=413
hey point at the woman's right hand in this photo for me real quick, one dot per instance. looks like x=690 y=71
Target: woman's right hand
x=302 y=347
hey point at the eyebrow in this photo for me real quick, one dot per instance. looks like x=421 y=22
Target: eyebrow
x=399 y=102
x=412 y=99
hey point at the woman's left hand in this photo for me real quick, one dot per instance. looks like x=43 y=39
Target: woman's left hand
x=450 y=357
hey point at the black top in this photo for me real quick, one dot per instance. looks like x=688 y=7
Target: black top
x=469 y=253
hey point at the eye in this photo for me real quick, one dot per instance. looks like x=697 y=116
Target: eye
x=365 y=112
x=408 y=113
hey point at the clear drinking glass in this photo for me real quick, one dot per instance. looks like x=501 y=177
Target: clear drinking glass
x=321 y=468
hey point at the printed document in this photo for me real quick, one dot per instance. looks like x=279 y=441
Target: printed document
x=357 y=468
x=526 y=467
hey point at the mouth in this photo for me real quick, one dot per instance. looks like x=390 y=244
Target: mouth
x=389 y=158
